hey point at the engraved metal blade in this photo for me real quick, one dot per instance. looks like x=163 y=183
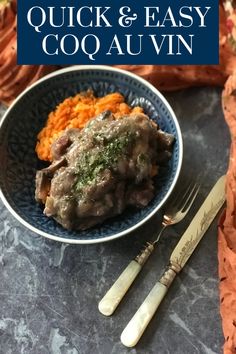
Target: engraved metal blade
x=199 y=224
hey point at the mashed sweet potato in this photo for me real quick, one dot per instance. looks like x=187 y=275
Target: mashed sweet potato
x=75 y=112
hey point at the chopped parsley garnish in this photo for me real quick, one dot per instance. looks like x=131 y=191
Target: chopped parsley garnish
x=91 y=163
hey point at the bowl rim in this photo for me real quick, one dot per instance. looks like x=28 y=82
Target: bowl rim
x=158 y=207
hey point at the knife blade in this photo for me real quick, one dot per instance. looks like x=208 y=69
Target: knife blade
x=183 y=250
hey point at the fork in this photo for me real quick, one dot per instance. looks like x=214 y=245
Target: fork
x=173 y=215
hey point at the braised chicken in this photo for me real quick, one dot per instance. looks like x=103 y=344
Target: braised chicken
x=102 y=169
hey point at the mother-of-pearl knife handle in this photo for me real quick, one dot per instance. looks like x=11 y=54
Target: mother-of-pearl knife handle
x=138 y=323
x=115 y=294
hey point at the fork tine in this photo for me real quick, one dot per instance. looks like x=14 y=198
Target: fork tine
x=191 y=197
x=178 y=197
x=182 y=197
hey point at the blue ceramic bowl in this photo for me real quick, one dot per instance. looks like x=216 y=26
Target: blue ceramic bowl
x=28 y=114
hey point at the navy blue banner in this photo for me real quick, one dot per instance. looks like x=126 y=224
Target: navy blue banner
x=123 y=32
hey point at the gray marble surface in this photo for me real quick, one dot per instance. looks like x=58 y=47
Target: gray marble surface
x=49 y=291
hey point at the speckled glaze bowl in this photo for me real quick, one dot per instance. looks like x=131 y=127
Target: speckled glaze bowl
x=27 y=115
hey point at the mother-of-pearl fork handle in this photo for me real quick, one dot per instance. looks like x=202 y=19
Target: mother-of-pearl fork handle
x=139 y=322
x=115 y=294
x=112 y=298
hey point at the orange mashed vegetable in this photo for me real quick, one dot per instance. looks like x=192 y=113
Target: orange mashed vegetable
x=75 y=112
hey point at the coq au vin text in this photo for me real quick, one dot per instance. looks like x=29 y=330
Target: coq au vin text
x=156 y=25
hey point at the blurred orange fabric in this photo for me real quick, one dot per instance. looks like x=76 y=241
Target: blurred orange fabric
x=227 y=228
x=15 y=78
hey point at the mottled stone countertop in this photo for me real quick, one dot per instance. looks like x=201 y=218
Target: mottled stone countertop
x=49 y=291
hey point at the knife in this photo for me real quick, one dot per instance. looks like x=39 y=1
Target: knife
x=185 y=247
